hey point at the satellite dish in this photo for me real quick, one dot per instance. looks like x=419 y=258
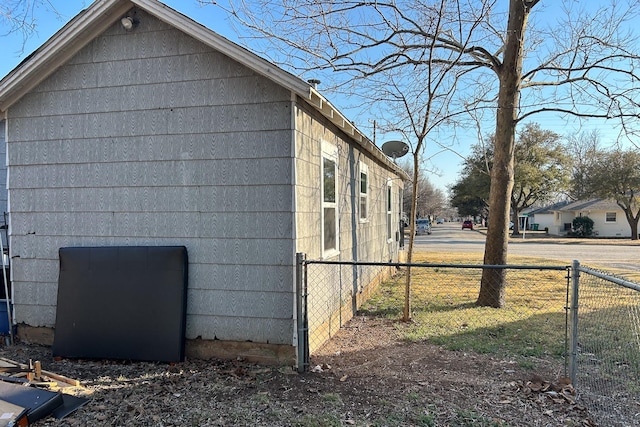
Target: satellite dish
x=395 y=149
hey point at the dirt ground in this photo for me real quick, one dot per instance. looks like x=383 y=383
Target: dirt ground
x=364 y=377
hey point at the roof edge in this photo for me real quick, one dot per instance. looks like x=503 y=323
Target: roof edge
x=226 y=46
x=101 y=14
x=59 y=48
x=322 y=105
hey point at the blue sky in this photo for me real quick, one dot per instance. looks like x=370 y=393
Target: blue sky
x=444 y=166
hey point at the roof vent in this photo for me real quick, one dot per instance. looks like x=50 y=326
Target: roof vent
x=314 y=83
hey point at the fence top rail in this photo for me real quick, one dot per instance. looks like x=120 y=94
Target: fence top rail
x=617 y=281
x=403 y=264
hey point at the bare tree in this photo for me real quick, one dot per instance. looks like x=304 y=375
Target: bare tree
x=433 y=59
x=18 y=16
x=393 y=49
x=583 y=149
x=431 y=201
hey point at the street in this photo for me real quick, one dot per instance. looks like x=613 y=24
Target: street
x=449 y=237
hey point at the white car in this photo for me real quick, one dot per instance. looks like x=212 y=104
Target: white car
x=423 y=226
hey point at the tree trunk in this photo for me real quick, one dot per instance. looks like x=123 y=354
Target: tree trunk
x=516 y=223
x=406 y=312
x=633 y=222
x=493 y=282
x=631 y=219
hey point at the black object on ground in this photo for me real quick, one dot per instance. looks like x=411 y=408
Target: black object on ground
x=122 y=302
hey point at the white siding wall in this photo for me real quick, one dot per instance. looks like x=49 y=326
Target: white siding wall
x=565 y=218
x=362 y=241
x=601 y=228
x=619 y=228
x=152 y=138
x=544 y=221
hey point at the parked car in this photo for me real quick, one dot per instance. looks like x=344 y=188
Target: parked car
x=423 y=226
x=467 y=224
x=439 y=221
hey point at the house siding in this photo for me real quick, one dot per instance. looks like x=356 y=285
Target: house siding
x=334 y=294
x=152 y=138
x=3 y=170
x=601 y=228
x=363 y=241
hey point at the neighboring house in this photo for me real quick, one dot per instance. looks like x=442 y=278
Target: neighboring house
x=545 y=217
x=169 y=134
x=608 y=218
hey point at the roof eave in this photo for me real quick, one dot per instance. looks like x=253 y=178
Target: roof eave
x=94 y=20
x=321 y=104
x=59 y=48
x=101 y=15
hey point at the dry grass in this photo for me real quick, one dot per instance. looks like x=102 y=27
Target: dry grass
x=444 y=312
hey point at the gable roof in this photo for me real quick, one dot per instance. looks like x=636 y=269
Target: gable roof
x=101 y=14
x=548 y=209
x=592 y=205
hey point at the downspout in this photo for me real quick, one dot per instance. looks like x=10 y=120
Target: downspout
x=301 y=313
x=8 y=298
x=6 y=292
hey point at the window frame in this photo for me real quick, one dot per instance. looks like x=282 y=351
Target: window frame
x=363 y=214
x=400 y=204
x=329 y=153
x=389 y=200
x=610 y=221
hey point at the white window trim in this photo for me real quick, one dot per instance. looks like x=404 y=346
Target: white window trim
x=400 y=207
x=329 y=151
x=389 y=211
x=364 y=169
x=611 y=222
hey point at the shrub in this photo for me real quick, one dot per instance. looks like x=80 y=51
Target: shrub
x=582 y=226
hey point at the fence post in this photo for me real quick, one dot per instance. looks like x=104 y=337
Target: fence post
x=301 y=309
x=573 y=359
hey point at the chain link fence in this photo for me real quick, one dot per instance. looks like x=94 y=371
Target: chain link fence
x=579 y=322
x=334 y=292
x=605 y=362
x=443 y=305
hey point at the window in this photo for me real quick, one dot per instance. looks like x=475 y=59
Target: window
x=364 y=192
x=610 y=217
x=329 y=200
x=389 y=222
